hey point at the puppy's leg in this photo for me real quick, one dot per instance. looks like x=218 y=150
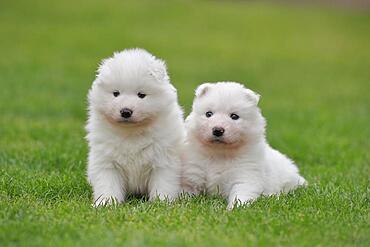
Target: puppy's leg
x=107 y=184
x=164 y=183
x=295 y=182
x=243 y=193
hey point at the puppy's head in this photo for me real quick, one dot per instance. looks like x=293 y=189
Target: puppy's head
x=225 y=115
x=132 y=88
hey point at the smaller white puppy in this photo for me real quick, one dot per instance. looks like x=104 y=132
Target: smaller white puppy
x=135 y=129
x=226 y=149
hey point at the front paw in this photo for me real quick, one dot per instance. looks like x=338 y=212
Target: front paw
x=105 y=201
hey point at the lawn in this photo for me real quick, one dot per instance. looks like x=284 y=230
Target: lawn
x=310 y=64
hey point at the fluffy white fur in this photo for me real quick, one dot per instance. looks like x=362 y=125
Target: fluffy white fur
x=138 y=155
x=240 y=165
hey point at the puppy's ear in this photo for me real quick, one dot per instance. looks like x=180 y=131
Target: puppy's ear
x=252 y=96
x=202 y=89
x=158 y=70
x=173 y=88
x=104 y=68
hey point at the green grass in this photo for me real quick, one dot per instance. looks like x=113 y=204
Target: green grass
x=311 y=65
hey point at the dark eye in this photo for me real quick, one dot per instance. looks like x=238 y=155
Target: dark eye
x=209 y=114
x=234 y=116
x=141 y=95
x=116 y=93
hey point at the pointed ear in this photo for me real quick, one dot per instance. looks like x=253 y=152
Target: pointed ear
x=173 y=88
x=202 y=89
x=252 y=96
x=104 y=69
x=104 y=66
x=158 y=70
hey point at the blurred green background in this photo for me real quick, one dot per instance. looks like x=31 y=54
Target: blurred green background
x=310 y=63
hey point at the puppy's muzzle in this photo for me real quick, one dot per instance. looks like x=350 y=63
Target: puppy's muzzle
x=126 y=113
x=218 y=131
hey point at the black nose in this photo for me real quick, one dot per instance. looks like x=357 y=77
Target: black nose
x=126 y=113
x=218 y=131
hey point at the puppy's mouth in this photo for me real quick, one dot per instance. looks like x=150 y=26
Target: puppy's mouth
x=135 y=122
x=131 y=122
x=128 y=121
x=218 y=141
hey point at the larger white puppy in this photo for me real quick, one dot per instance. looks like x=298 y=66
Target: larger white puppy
x=226 y=149
x=135 y=129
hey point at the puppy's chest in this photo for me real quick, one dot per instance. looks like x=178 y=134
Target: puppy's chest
x=134 y=154
x=137 y=178
x=216 y=177
x=135 y=163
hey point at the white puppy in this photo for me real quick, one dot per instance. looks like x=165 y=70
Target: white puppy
x=226 y=149
x=135 y=129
